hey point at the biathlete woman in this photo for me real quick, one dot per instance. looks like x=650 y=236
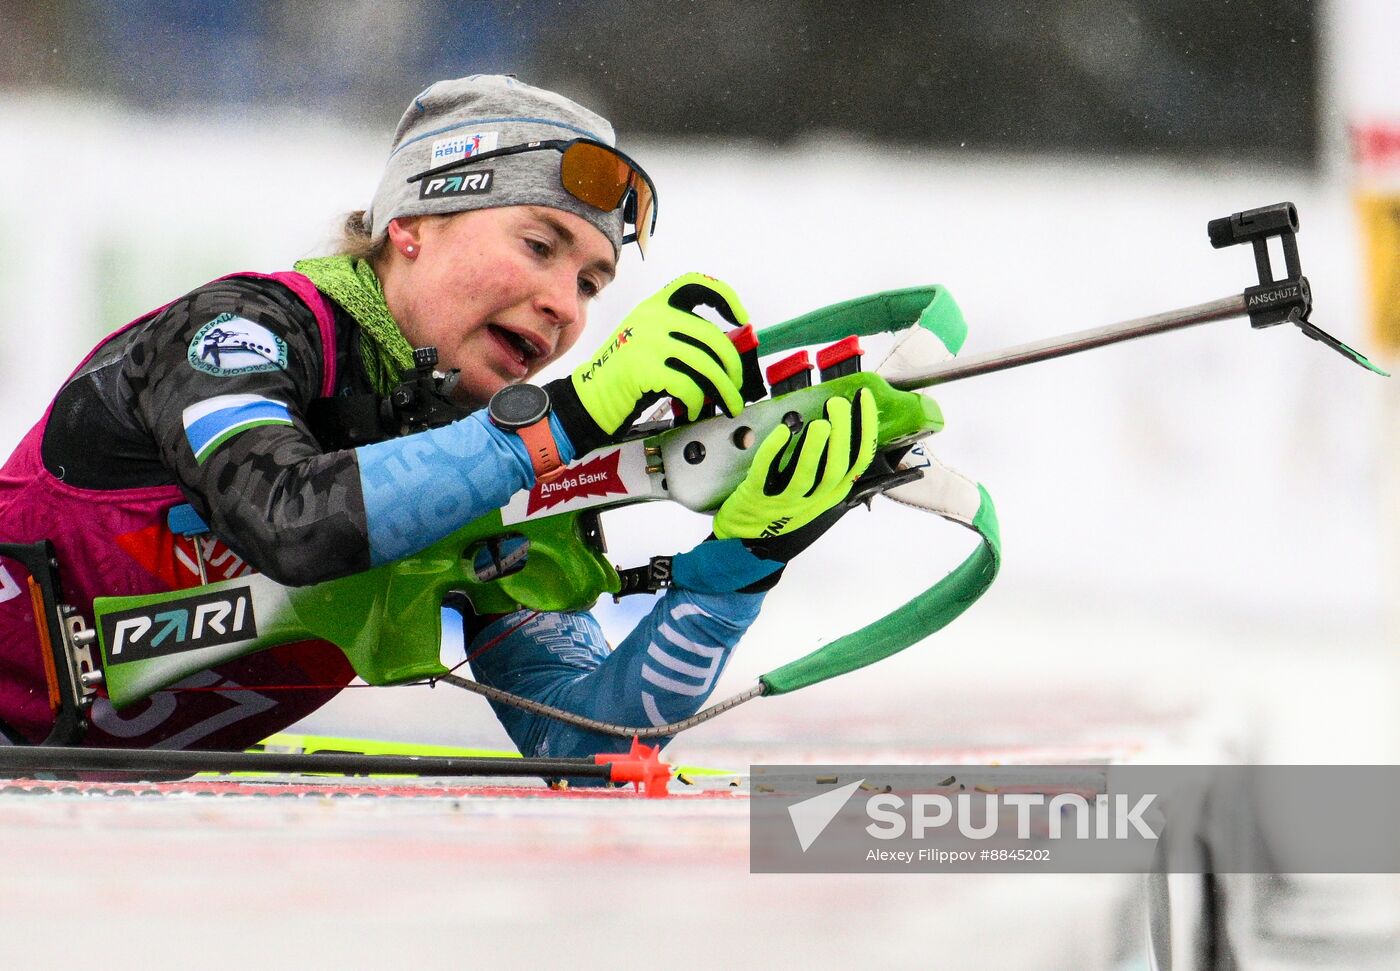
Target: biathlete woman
x=501 y=213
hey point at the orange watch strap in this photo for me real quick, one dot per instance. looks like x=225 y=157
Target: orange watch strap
x=544 y=454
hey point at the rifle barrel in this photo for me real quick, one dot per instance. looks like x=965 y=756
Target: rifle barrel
x=1084 y=340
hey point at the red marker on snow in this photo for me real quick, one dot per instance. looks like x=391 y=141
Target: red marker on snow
x=641 y=766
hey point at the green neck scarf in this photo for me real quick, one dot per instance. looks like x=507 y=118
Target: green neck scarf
x=386 y=353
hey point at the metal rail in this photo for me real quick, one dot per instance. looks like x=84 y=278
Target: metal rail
x=1083 y=340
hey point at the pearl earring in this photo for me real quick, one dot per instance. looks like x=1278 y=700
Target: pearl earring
x=410 y=249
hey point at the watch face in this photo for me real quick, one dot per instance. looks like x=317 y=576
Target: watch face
x=518 y=405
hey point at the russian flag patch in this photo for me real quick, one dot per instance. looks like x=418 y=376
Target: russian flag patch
x=214 y=421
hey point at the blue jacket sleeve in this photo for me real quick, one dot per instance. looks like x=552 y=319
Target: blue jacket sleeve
x=419 y=488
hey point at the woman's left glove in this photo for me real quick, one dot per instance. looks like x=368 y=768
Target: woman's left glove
x=790 y=497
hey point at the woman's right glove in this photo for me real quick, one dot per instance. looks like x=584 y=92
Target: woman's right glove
x=661 y=349
x=790 y=497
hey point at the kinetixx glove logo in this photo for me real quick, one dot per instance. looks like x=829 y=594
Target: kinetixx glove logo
x=623 y=336
x=775 y=529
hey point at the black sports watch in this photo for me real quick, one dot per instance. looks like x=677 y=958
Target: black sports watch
x=524 y=409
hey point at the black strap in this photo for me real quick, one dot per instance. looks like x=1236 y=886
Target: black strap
x=653 y=577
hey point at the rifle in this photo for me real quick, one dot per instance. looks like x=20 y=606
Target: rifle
x=545 y=550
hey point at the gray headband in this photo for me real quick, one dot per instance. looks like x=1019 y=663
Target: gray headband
x=455 y=119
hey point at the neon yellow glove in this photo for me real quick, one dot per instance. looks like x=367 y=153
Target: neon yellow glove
x=778 y=498
x=660 y=349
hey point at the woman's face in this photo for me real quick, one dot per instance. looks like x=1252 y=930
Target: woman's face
x=499 y=292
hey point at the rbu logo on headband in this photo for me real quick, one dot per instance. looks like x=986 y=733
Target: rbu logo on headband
x=462 y=146
x=466 y=184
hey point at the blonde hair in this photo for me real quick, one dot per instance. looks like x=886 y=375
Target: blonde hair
x=355 y=239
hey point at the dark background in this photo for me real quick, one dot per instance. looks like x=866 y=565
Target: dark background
x=1176 y=78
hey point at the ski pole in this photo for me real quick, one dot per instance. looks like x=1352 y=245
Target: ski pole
x=642 y=765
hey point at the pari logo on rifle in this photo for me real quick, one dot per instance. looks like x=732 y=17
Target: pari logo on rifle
x=175 y=626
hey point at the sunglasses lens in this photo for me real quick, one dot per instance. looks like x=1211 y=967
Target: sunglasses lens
x=645 y=201
x=595 y=175
x=600 y=177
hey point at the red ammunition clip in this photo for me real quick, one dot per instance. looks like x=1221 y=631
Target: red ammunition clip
x=840 y=359
x=791 y=373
